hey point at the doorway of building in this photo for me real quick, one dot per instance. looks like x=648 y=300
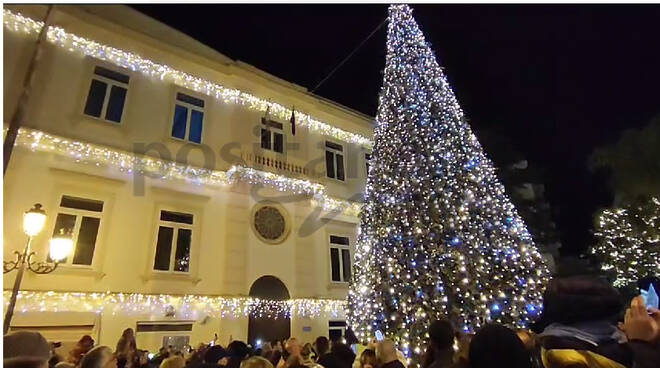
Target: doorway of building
x=268 y=329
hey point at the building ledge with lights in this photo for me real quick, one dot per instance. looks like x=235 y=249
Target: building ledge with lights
x=195 y=204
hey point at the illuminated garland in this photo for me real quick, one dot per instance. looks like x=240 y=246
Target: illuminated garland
x=629 y=241
x=279 y=182
x=184 y=306
x=74 y=43
x=98 y=155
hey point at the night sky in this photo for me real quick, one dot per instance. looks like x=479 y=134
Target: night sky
x=555 y=80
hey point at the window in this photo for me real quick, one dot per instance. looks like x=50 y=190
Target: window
x=340 y=258
x=367 y=160
x=173 y=242
x=82 y=218
x=188 y=118
x=334 y=160
x=172 y=333
x=272 y=135
x=176 y=342
x=336 y=330
x=107 y=94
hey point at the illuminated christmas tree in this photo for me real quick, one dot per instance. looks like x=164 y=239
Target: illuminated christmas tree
x=439 y=237
x=629 y=241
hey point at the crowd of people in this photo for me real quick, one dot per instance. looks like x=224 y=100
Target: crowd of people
x=581 y=326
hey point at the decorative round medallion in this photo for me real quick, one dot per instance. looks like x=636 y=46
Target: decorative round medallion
x=269 y=223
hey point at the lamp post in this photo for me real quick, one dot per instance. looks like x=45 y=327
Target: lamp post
x=60 y=247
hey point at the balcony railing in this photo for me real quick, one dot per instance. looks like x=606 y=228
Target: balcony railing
x=285 y=167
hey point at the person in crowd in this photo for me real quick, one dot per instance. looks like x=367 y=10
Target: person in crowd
x=530 y=342
x=195 y=358
x=440 y=351
x=54 y=359
x=99 y=357
x=25 y=349
x=237 y=352
x=306 y=355
x=266 y=348
x=463 y=341
x=324 y=357
x=175 y=361
x=293 y=361
x=85 y=344
x=162 y=355
x=290 y=354
x=285 y=353
x=143 y=359
x=293 y=347
x=212 y=356
x=351 y=340
x=580 y=315
x=368 y=359
x=285 y=357
x=642 y=328
x=386 y=355
x=527 y=337
x=126 y=343
x=274 y=356
x=343 y=353
x=256 y=362
x=312 y=355
x=497 y=346
x=126 y=351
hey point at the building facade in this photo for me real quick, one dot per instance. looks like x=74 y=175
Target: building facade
x=194 y=186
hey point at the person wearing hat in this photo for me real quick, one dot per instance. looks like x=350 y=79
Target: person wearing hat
x=579 y=320
x=440 y=351
x=25 y=349
x=85 y=344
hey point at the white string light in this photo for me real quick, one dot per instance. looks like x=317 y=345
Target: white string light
x=439 y=237
x=77 y=44
x=628 y=241
x=185 y=306
x=97 y=155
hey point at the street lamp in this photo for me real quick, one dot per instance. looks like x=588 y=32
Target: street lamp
x=60 y=247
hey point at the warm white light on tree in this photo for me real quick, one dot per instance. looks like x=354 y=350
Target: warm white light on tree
x=628 y=241
x=439 y=237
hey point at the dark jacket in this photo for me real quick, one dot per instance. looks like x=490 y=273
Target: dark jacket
x=441 y=358
x=580 y=314
x=631 y=354
x=578 y=299
x=645 y=355
x=393 y=364
x=328 y=360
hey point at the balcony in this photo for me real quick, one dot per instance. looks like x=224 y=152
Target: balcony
x=288 y=167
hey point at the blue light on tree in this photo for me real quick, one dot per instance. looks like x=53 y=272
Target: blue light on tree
x=452 y=225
